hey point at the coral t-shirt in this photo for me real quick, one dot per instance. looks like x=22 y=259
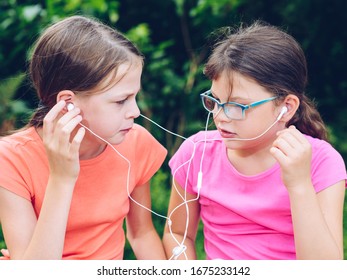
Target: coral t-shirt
x=247 y=217
x=100 y=200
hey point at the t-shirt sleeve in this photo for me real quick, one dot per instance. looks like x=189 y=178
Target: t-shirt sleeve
x=13 y=171
x=150 y=155
x=328 y=167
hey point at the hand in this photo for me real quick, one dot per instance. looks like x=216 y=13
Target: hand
x=5 y=254
x=61 y=146
x=293 y=152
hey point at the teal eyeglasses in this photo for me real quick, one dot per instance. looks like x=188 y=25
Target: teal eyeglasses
x=233 y=110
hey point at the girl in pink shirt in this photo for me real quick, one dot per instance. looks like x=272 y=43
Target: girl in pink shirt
x=266 y=183
x=81 y=167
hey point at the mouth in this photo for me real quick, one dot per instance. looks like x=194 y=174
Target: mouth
x=126 y=130
x=226 y=134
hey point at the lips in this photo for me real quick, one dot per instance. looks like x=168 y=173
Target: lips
x=226 y=134
x=126 y=130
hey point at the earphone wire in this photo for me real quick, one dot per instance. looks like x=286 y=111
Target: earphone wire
x=181 y=245
x=260 y=135
x=199 y=182
x=185 y=202
x=128 y=173
x=163 y=128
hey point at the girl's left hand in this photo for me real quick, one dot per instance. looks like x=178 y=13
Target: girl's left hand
x=293 y=152
x=5 y=254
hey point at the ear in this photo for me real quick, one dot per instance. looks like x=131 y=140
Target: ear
x=68 y=96
x=292 y=103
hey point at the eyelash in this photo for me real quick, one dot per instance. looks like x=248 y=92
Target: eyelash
x=121 y=102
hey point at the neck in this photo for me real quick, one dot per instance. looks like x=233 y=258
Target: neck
x=89 y=150
x=251 y=161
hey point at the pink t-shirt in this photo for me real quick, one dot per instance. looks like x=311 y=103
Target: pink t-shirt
x=100 y=201
x=247 y=217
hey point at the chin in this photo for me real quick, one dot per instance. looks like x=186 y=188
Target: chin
x=239 y=144
x=116 y=140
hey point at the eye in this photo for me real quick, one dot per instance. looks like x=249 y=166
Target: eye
x=214 y=97
x=121 y=102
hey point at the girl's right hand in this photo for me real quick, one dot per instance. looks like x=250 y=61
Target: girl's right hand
x=62 y=147
x=294 y=153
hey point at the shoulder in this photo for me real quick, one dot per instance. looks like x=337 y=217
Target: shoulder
x=202 y=140
x=327 y=165
x=19 y=141
x=22 y=154
x=209 y=135
x=322 y=149
x=138 y=132
x=139 y=139
x=139 y=129
x=21 y=149
x=145 y=153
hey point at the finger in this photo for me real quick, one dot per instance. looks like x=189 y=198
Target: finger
x=77 y=140
x=278 y=155
x=56 y=109
x=290 y=128
x=298 y=135
x=64 y=134
x=51 y=118
x=68 y=116
x=295 y=133
x=5 y=253
x=290 y=139
x=287 y=143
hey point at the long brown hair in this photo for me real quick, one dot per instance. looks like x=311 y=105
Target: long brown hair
x=77 y=53
x=273 y=59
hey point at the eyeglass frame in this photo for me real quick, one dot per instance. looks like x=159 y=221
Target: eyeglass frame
x=242 y=106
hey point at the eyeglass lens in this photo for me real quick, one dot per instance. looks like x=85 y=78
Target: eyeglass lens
x=230 y=110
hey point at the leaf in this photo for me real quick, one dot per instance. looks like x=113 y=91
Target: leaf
x=29 y=13
x=9 y=86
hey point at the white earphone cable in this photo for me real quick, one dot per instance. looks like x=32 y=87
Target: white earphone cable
x=180 y=249
x=128 y=173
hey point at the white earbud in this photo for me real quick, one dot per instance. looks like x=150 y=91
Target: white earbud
x=70 y=106
x=283 y=111
x=178 y=250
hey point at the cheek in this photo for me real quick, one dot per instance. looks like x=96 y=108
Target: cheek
x=255 y=126
x=102 y=122
x=109 y=123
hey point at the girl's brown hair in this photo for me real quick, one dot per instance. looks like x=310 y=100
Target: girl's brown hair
x=274 y=59
x=77 y=54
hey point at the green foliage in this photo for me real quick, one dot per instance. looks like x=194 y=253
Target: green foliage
x=174 y=37
x=345 y=230
x=12 y=112
x=2 y=242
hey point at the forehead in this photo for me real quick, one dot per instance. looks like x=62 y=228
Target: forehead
x=129 y=77
x=237 y=86
x=126 y=79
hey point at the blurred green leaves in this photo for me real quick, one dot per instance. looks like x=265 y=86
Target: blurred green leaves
x=174 y=37
x=11 y=110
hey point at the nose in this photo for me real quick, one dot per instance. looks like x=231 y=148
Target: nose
x=133 y=111
x=220 y=115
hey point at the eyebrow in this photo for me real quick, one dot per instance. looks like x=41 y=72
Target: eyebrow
x=126 y=94
x=235 y=98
